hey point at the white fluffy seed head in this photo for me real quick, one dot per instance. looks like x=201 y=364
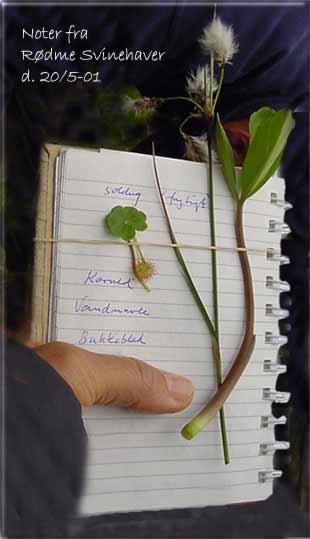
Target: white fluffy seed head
x=196 y=149
x=130 y=104
x=219 y=40
x=195 y=82
x=141 y=105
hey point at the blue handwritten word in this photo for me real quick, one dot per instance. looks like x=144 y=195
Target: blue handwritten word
x=111 y=338
x=125 y=191
x=93 y=277
x=197 y=202
x=81 y=306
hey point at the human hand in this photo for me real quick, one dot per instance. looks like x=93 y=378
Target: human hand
x=117 y=380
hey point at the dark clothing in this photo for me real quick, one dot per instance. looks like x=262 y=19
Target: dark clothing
x=44 y=431
x=45 y=447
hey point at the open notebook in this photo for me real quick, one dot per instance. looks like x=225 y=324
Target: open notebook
x=140 y=462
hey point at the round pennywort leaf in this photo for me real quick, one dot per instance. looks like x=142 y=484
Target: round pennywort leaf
x=124 y=221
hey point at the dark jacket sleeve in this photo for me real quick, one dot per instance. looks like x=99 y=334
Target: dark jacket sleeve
x=44 y=447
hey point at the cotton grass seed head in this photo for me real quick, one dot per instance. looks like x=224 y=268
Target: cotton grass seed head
x=219 y=40
x=196 y=81
x=140 y=106
x=196 y=149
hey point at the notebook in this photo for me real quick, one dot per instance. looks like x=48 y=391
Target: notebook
x=86 y=294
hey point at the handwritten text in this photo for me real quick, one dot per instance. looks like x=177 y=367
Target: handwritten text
x=83 y=306
x=110 y=338
x=123 y=191
x=180 y=201
x=93 y=277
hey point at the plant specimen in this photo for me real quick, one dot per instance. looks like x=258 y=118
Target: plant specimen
x=269 y=130
x=123 y=222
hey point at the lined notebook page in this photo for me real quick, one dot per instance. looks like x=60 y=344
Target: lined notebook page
x=140 y=462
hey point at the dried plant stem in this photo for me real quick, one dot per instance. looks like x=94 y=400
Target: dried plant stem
x=204 y=417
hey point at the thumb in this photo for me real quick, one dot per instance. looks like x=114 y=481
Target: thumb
x=129 y=382
x=117 y=380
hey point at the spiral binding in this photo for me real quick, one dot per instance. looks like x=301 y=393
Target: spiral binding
x=283 y=286
x=272 y=254
x=275 y=339
x=269 y=365
x=274 y=199
x=271 y=421
x=274 y=367
x=278 y=226
x=273 y=395
x=265 y=449
x=265 y=476
x=277 y=312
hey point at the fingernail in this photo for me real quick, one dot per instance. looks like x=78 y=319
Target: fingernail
x=180 y=388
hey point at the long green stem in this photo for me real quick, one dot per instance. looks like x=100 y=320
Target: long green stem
x=199 y=302
x=216 y=353
x=182 y=133
x=218 y=89
x=138 y=247
x=180 y=258
x=213 y=238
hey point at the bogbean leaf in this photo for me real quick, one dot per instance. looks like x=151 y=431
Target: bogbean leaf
x=226 y=156
x=256 y=118
x=269 y=130
x=124 y=221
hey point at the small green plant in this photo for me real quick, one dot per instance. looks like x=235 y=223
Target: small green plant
x=123 y=223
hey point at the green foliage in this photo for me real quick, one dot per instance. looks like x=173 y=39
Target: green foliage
x=124 y=221
x=269 y=131
x=256 y=118
x=226 y=156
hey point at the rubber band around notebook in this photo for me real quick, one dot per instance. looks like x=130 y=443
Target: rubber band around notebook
x=158 y=244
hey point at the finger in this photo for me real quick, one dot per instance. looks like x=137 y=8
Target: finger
x=120 y=381
x=135 y=384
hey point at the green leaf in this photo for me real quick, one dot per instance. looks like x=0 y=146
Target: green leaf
x=226 y=156
x=124 y=221
x=256 y=119
x=270 y=130
x=269 y=174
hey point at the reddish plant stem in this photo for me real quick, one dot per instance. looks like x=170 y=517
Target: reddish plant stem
x=247 y=345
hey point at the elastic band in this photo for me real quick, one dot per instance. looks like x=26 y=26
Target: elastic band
x=155 y=244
